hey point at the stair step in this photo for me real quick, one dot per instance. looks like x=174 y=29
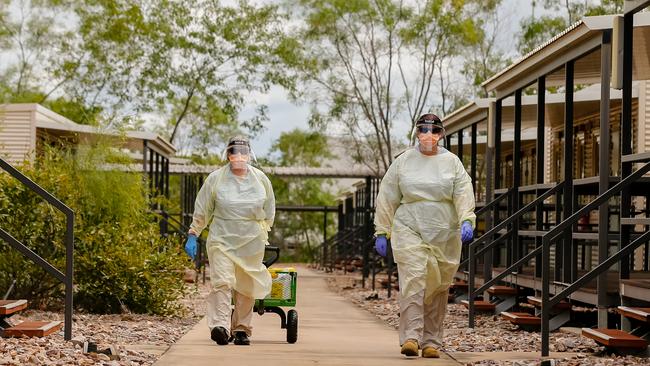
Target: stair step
x=12 y=306
x=460 y=285
x=480 y=305
x=614 y=338
x=635 y=221
x=642 y=314
x=33 y=329
x=521 y=318
x=561 y=306
x=502 y=290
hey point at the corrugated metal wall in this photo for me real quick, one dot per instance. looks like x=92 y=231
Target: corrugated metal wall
x=17 y=134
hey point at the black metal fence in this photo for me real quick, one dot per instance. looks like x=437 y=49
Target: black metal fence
x=67 y=278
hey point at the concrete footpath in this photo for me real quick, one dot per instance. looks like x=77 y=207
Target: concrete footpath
x=331 y=331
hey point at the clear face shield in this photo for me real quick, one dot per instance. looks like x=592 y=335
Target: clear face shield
x=239 y=155
x=428 y=135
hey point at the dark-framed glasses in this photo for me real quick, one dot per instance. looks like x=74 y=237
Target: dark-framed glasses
x=238 y=149
x=429 y=128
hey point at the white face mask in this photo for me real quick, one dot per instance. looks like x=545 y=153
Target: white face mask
x=238 y=161
x=238 y=165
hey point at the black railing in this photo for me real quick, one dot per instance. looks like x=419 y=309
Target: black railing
x=503 y=224
x=550 y=237
x=66 y=278
x=183 y=231
x=486 y=209
x=333 y=243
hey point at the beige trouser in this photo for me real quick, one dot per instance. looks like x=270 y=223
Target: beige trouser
x=219 y=310
x=421 y=321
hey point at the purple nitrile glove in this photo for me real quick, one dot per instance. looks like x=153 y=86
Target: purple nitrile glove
x=466 y=232
x=190 y=246
x=381 y=245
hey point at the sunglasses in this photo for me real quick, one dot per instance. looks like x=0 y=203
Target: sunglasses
x=429 y=128
x=238 y=149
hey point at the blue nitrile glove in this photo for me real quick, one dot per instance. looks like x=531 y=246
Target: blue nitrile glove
x=466 y=232
x=381 y=245
x=190 y=246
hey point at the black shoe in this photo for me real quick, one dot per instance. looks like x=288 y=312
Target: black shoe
x=219 y=335
x=241 y=339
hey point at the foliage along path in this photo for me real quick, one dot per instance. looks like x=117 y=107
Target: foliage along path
x=331 y=331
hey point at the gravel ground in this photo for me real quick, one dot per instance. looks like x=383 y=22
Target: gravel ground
x=126 y=332
x=491 y=334
x=132 y=334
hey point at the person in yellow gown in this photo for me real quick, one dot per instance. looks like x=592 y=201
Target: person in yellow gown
x=425 y=206
x=238 y=200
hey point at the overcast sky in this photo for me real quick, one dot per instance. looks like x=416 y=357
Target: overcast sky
x=285 y=116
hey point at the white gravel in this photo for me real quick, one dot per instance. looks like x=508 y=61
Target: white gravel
x=491 y=333
x=140 y=339
x=137 y=335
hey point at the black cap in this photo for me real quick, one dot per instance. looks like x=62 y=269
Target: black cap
x=429 y=118
x=238 y=141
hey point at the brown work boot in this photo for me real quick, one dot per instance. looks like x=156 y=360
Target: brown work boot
x=410 y=347
x=430 y=352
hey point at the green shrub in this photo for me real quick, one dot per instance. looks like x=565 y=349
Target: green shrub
x=121 y=262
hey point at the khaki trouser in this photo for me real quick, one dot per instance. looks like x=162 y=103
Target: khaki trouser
x=219 y=310
x=223 y=276
x=421 y=321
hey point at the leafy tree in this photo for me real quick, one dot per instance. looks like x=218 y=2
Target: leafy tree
x=188 y=65
x=372 y=63
x=485 y=57
x=121 y=262
x=305 y=229
x=190 y=62
x=537 y=30
x=32 y=38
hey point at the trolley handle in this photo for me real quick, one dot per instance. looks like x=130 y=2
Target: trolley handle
x=276 y=255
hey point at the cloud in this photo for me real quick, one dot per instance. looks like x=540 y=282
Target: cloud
x=283 y=115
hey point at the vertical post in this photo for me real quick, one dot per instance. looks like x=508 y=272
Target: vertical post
x=539 y=165
x=367 y=238
x=69 y=274
x=151 y=169
x=603 y=168
x=157 y=174
x=567 y=247
x=460 y=146
x=557 y=269
x=324 y=246
x=546 y=269
x=144 y=156
x=626 y=138
x=167 y=177
x=473 y=158
x=494 y=253
x=182 y=197
x=516 y=177
x=166 y=192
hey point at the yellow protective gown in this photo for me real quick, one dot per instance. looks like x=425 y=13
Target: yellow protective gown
x=242 y=210
x=422 y=202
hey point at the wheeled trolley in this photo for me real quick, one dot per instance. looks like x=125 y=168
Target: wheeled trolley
x=283 y=294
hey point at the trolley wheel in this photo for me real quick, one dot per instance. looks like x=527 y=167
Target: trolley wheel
x=292 y=326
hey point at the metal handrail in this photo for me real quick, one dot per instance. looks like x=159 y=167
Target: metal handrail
x=335 y=241
x=549 y=237
x=485 y=209
x=496 y=200
x=67 y=278
x=183 y=230
x=472 y=247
